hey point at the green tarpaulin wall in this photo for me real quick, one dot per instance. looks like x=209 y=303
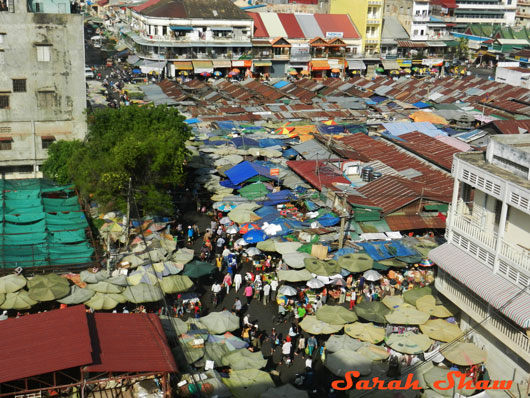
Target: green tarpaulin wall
x=41 y=224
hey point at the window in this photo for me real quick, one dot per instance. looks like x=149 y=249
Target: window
x=47 y=141
x=19 y=85
x=2 y=36
x=46 y=99
x=2 y=57
x=43 y=53
x=498 y=210
x=5 y=143
x=4 y=101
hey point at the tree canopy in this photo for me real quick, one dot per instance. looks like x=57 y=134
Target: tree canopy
x=145 y=144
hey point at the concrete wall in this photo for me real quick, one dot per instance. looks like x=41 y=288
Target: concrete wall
x=504 y=152
x=512 y=77
x=518 y=228
x=50 y=6
x=402 y=10
x=55 y=98
x=484 y=211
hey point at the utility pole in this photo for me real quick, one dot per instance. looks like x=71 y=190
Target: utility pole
x=128 y=223
x=342 y=222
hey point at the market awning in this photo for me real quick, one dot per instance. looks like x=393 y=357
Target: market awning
x=177 y=28
x=262 y=63
x=493 y=288
x=242 y=64
x=202 y=66
x=222 y=28
x=390 y=64
x=411 y=44
x=183 y=65
x=218 y=63
x=320 y=65
x=356 y=64
x=436 y=43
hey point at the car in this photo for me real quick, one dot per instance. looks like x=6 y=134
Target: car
x=89 y=73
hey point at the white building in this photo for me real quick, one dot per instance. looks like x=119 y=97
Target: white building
x=514 y=76
x=490 y=12
x=42 y=84
x=484 y=268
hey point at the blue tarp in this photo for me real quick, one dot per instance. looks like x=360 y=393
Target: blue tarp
x=245 y=170
x=267 y=210
x=342 y=252
x=421 y=105
x=226 y=124
x=215 y=142
x=450 y=131
x=192 y=121
x=369 y=101
x=355 y=128
x=266 y=142
x=336 y=129
x=280 y=84
x=229 y=184
x=377 y=98
x=384 y=250
x=255 y=236
x=327 y=220
x=284 y=195
x=242 y=141
x=311 y=206
x=290 y=153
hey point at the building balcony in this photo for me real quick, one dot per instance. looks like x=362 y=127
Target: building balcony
x=194 y=39
x=421 y=18
x=479 y=310
x=521 y=14
x=375 y=2
x=373 y=21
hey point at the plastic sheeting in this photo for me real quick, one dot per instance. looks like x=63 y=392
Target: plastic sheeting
x=245 y=170
x=384 y=250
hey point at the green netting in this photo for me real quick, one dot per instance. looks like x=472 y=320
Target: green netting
x=41 y=224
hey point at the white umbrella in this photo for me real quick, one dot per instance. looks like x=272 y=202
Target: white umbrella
x=287 y=290
x=315 y=283
x=225 y=221
x=253 y=251
x=241 y=242
x=232 y=229
x=372 y=275
x=295 y=259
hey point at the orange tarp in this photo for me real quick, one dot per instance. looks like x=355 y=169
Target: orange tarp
x=421 y=116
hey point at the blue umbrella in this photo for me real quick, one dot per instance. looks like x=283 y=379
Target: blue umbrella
x=137 y=71
x=218 y=73
x=225 y=207
x=255 y=236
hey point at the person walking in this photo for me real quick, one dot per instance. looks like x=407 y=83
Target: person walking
x=274 y=288
x=286 y=351
x=237 y=306
x=227 y=282
x=266 y=293
x=311 y=345
x=248 y=293
x=237 y=281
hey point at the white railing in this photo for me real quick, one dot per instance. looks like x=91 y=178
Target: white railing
x=518 y=255
x=467 y=227
x=506 y=333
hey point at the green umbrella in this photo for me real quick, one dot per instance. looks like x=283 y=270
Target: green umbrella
x=320 y=267
x=268 y=245
x=143 y=293
x=393 y=263
x=380 y=267
x=105 y=287
x=216 y=351
x=183 y=256
x=393 y=302
x=19 y=300
x=11 y=283
x=244 y=359
x=48 y=287
x=374 y=352
x=192 y=351
x=287 y=247
x=339 y=342
x=102 y=301
x=336 y=315
x=356 y=262
x=407 y=316
x=2 y=298
x=428 y=304
x=118 y=280
x=312 y=325
x=248 y=206
x=77 y=295
x=410 y=296
x=436 y=373
x=175 y=283
x=373 y=311
x=91 y=277
x=464 y=354
x=248 y=383
x=344 y=361
x=196 y=269
x=243 y=216
x=441 y=330
x=294 y=276
x=409 y=343
x=254 y=191
x=285 y=391
x=365 y=332
x=409 y=259
x=220 y=322
x=295 y=260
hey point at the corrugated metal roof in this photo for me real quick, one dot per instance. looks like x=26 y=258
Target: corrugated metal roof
x=337 y=23
x=259 y=26
x=290 y=24
x=45 y=342
x=309 y=26
x=410 y=222
x=399 y=128
x=317 y=173
x=273 y=24
x=129 y=343
x=312 y=150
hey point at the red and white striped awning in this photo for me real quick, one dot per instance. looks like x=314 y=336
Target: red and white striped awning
x=491 y=287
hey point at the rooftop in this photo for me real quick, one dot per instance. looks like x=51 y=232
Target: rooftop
x=185 y=9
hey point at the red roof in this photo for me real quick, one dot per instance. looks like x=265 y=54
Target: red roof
x=327 y=173
x=143 y=6
x=337 y=23
x=510 y=126
x=259 y=26
x=129 y=343
x=291 y=26
x=43 y=343
x=429 y=148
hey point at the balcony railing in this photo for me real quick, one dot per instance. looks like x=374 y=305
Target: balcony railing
x=466 y=225
x=478 y=310
x=516 y=254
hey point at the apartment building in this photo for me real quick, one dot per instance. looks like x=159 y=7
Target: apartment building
x=42 y=84
x=484 y=268
x=491 y=12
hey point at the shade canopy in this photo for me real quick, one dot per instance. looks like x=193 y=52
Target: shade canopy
x=175 y=283
x=339 y=342
x=242 y=216
x=19 y=300
x=335 y=315
x=312 y=325
x=11 y=283
x=102 y=301
x=410 y=296
x=244 y=359
x=143 y=293
x=143 y=274
x=296 y=259
x=441 y=330
x=437 y=373
x=315 y=283
x=372 y=275
x=365 y=332
x=77 y=295
x=285 y=391
x=248 y=383
x=105 y=287
x=48 y=287
x=287 y=290
x=373 y=311
x=393 y=302
x=294 y=276
x=196 y=269
x=374 y=352
x=464 y=354
x=428 y=305
x=407 y=316
x=220 y=322
x=409 y=343
x=356 y=262
x=321 y=268
x=344 y=361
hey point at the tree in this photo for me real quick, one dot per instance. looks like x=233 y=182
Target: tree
x=462 y=48
x=58 y=165
x=144 y=144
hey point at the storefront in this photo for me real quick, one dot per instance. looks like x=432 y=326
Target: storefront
x=319 y=68
x=244 y=68
x=221 y=67
x=261 y=68
x=356 y=67
x=391 y=67
x=181 y=68
x=203 y=68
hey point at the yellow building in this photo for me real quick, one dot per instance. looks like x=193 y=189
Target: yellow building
x=368 y=18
